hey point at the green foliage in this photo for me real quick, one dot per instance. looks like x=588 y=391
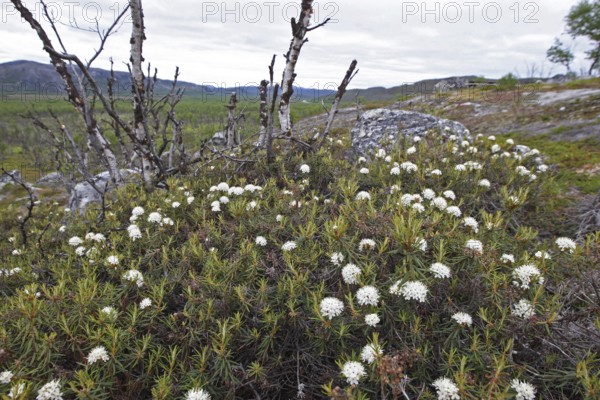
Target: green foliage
x=558 y=54
x=584 y=21
x=239 y=317
x=508 y=81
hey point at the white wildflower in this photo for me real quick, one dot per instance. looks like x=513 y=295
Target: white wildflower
x=369 y=353
x=408 y=166
x=97 y=354
x=305 y=169
x=440 y=270
x=460 y=168
x=523 y=275
x=446 y=389
x=197 y=394
x=436 y=172
x=62 y=229
x=367 y=296
x=407 y=199
x=372 y=319
x=454 y=211
x=75 y=241
x=133 y=275
x=496 y=148
x=418 y=207
x=112 y=260
x=366 y=244
x=364 y=171
x=462 y=318
x=353 y=371
x=289 y=246
x=543 y=255
x=428 y=194
x=525 y=391
x=395 y=171
x=449 y=194
x=567 y=244
x=363 y=196
x=108 y=311
x=523 y=309
x=472 y=223
x=215 y=206
x=350 y=274
x=155 y=218
x=168 y=221
x=279 y=218
x=331 y=307
x=223 y=187
x=507 y=258
x=484 y=183
x=337 y=258
x=175 y=204
x=50 y=391
x=134 y=232
x=190 y=199
x=260 y=241
x=474 y=246
x=236 y=191
x=440 y=203
x=16 y=391
x=5 y=377
x=421 y=244
x=80 y=251
x=251 y=206
x=380 y=153
x=411 y=290
x=224 y=200
x=411 y=150
x=145 y=303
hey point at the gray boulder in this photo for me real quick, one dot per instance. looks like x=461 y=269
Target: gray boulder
x=5 y=178
x=84 y=193
x=382 y=128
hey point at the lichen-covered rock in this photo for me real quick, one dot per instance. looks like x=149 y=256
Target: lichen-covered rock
x=84 y=193
x=381 y=128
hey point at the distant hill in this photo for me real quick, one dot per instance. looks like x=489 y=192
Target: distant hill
x=22 y=77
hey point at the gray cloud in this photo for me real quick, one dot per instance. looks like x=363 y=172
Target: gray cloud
x=394 y=41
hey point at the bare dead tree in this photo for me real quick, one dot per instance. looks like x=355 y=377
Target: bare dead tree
x=230 y=128
x=30 y=205
x=350 y=74
x=300 y=28
x=74 y=95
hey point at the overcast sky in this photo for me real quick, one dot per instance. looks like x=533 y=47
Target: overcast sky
x=394 y=41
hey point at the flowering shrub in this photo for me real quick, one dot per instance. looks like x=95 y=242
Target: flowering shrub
x=308 y=277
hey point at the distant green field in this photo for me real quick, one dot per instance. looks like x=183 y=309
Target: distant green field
x=25 y=147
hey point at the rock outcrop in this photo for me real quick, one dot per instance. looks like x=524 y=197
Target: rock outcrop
x=84 y=193
x=381 y=128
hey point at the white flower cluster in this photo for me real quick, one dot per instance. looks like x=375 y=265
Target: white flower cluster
x=155 y=218
x=523 y=276
x=289 y=246
x=133 y=275
x=462 y=318
x=454 y=211
x=369 y=353
x=367 y=296
x=197 y=394
x=566 y=244
x=98 y=354
x=350 y=274
x=75 y=241
x=525 y=391
x=372 y=319
x=366 y=244
x=6 y=377
x=440 y=270
x=109 y=311
x=446 y=389
x=474 y=247
x=544 y=255
x=353 y=371
x=9 y=272
x=134 y=232
x=305 y=169
x=523 y=309
x=331 y=307
x=409 y=167
x=507 y=258
x=112 y=260
x=411 y=290
x=440 y=203
x=145 y=303
x=360 y=196
x=472 y=223
x=337 y=258
x=261 y=241
x=50 y=391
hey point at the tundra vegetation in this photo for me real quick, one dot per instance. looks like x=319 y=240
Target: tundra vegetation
x=280 y=266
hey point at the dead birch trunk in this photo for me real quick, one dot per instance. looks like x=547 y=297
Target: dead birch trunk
x=299 y=30
x=138 y=90
x=350 y=74
x=264 y=113
x=231 y=120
